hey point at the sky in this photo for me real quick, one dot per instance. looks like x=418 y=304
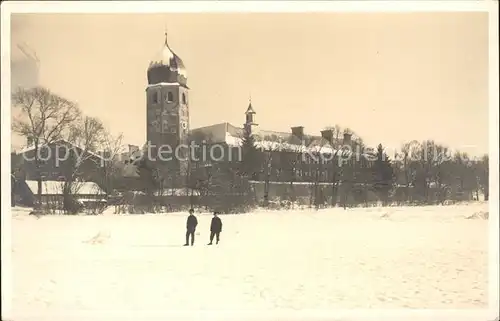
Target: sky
x=390 y=77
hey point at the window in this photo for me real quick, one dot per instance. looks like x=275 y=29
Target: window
x=170 y=97
x=155 y=96
x=184 y=99
x=172 y=130
x=155 y=125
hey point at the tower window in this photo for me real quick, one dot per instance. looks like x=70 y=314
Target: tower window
x=184 y=100
x=170 y=97
x=155 y=97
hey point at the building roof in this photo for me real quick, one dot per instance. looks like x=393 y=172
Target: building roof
x=61 y=141
x=264 y=139
x=250 y=109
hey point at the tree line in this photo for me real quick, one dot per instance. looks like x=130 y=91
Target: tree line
x=419 y=173
x=44 y=118
x=340 y=173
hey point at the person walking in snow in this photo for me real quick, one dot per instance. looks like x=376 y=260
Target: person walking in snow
x=215 y=229
x=191 y=224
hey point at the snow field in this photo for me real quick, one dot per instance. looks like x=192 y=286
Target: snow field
x=383 y=258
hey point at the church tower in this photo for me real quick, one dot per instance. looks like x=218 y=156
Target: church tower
x=250 y=118
x=167 y=96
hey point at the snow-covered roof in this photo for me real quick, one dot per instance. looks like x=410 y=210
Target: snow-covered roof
x=162 y=84
x=92 y=199
x=231 y=135
x=288 y=183
x=61 y=141
x=56 y=188
x=284 y=146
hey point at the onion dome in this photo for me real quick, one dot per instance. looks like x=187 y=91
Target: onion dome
x=167 y=67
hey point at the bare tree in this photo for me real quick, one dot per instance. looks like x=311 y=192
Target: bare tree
x=433 y=157
x=112 y=147
x=461 y=177
x=403 y=157
x=86 y=137
x=290 y=162
x=334 y=164
x=267 y=161
x=43 y=118
x=406 y=164
x=483 y=176
x=87 y=133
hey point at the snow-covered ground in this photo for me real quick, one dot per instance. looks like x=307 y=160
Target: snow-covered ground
x=75 y=267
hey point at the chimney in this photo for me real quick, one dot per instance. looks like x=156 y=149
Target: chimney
x=347 y=138
x=29 y=141
x=298 y=132
x=327 y=135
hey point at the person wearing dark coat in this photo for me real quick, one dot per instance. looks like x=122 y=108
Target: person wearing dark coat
x=191 y=224
x=215 y=229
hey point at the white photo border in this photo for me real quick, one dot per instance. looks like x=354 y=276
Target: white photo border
x=10 y=7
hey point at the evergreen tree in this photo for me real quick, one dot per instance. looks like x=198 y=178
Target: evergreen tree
x=383 y=175
x=250 y=154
